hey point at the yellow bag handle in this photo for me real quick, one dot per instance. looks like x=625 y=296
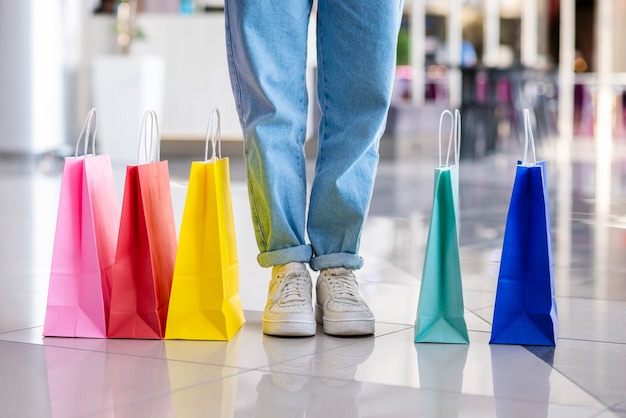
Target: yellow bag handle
x=213 y=133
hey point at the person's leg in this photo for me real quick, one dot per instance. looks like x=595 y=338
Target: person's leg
x=356 y=43
x=267 y=47
x=267 y=50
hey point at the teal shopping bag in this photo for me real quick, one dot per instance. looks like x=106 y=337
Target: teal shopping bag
x=440 y=310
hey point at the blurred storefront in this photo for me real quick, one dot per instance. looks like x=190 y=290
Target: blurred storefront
x=490 y=58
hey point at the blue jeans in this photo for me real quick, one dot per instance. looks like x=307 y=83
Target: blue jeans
x=356 y=52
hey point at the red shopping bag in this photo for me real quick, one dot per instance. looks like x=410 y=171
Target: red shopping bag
x=84 y=244
x=146 y=247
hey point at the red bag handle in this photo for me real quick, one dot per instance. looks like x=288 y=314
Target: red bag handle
x=154 y=133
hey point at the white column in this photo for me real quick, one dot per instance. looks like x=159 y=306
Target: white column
x=418 y=50
x=543 y=28
x=32 y=102
x=604 y=119
x=564 y=142
x=619 y=32
x=529 y=33
x=566 y=73
x=604 y=142
x=491 y=32
x=455 y=40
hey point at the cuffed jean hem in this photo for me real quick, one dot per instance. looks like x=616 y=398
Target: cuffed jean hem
x=299 y=254
x=347 y=260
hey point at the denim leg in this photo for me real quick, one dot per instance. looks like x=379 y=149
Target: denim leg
x=267 y=46
x=356 y=46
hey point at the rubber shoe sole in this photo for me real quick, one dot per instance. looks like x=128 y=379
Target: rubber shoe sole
x=344 y=327
x=289 y=328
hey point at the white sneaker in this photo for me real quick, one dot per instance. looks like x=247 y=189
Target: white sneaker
x=289 y=310
x=340 y=307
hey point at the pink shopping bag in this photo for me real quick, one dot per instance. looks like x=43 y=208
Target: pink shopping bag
x=84 y=244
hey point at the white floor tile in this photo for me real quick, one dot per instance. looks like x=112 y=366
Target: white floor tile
x=385 y=375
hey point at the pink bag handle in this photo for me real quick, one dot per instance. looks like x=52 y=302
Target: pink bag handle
x=213 y=133
x=88 y=132
x=154 y=137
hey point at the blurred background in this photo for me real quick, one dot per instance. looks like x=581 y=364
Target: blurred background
x=490 y=58
x=563 y=60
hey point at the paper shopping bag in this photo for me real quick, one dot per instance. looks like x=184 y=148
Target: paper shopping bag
x=525 y=307
x=205 y=303
x=146 y=250
x=440 y=311
x=84 y=244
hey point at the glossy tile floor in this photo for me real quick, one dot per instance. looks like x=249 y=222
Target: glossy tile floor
x=386 y=375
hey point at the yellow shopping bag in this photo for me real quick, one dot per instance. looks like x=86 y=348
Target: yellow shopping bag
x=205 y=302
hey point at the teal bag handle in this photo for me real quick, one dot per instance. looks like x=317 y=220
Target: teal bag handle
x=444 y=113
x=455 y=136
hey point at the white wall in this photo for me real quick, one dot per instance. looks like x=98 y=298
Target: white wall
x=197 y=77
x=194 y=49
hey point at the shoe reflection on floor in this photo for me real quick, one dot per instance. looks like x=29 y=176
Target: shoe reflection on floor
x=302 y=383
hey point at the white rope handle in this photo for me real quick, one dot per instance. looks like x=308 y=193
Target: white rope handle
x=529 y=138
x=456 y=133
x=213 y=134
x=445 y=112
x=88 y=132
x=154 y=133
x=455 y=136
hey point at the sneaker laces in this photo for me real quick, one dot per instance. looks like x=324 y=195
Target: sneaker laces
x=343 y=285
x=292 y=289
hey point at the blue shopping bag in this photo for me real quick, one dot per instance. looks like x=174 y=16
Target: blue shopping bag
x=440 y=312
x=525 y=308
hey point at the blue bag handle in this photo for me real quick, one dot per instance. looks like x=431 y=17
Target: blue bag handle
x=528 y=129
